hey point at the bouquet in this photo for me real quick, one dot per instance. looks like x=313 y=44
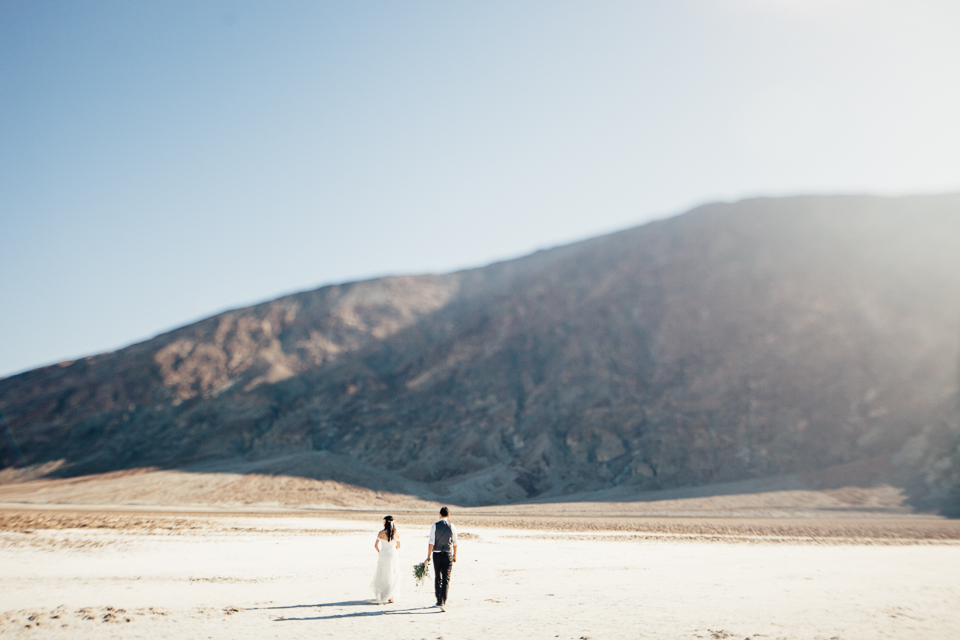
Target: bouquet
x=420 y=572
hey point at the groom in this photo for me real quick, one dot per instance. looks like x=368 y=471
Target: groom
x=443 y=550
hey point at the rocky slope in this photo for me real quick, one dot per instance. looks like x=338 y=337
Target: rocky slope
x=761 y=338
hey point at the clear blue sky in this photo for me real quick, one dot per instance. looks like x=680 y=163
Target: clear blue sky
x=163 y=161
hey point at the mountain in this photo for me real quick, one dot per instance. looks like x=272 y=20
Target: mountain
x=736 y=341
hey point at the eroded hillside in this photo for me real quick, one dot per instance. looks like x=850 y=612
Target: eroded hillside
x=736 y=341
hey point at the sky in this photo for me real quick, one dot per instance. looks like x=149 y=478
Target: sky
x=164 y=161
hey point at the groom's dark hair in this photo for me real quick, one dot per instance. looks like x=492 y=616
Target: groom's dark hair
x=444 y=512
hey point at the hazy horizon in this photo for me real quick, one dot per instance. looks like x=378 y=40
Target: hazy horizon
x=282 y=294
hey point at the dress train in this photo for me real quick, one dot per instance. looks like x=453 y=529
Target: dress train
x=387 y=578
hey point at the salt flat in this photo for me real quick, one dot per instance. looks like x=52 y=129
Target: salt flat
x=177 y=575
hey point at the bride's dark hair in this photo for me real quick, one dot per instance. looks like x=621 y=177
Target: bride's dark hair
x=389 y=527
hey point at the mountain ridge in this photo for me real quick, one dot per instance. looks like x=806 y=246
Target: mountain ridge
x=736 y=341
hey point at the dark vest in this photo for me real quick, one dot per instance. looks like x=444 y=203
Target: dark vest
x=442 y=538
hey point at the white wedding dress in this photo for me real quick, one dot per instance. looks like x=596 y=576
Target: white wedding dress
x=387 y=578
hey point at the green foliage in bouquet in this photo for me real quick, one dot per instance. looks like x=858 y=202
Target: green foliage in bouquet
x=420 y=572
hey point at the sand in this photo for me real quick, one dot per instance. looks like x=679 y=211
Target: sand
x=122 y=572
x=849 y=490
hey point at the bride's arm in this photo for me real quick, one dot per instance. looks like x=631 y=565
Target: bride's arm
x=376 y=545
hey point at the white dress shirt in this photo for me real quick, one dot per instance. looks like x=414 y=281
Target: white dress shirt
x=453 y=533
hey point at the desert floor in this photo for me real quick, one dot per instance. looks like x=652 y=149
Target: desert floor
x=69 y=572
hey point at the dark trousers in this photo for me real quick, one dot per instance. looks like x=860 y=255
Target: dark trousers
x=442 y=570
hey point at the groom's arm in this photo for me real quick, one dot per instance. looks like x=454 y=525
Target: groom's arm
x=433 y=539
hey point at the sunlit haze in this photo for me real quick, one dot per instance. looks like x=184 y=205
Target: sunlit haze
x=161 y=162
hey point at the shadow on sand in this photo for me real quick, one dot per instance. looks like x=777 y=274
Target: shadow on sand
x=349 y=603
x=359 y=614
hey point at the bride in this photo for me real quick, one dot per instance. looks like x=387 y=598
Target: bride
x=387 y=578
